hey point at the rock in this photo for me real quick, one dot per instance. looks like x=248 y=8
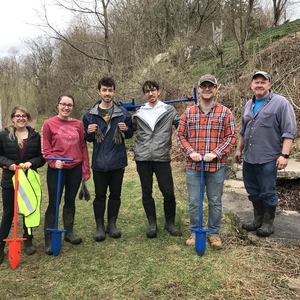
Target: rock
x=292 y=171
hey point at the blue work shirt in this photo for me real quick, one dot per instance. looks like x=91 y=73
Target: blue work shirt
x=264 y=131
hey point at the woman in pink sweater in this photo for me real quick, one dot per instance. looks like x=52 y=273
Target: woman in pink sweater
x=63 y=137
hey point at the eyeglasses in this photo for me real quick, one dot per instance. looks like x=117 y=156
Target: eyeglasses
x=20 y=116
x=69 y=105
x=207 y=86
x=150 y=91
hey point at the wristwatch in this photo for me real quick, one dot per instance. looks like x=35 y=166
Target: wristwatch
x=285 y=155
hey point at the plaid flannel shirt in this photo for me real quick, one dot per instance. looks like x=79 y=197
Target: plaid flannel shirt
x=211 y=133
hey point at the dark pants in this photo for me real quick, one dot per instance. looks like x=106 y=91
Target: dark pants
x=163 y=173
x=260 y=182
x=8 y=213
x=112 y=180
x=70 y=181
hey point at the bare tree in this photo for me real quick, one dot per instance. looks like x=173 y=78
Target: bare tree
x=238 y=15
x=97 y=26
x=39 y=71
x=279 y=7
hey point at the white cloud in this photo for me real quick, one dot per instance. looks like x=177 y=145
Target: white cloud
x=17 y=20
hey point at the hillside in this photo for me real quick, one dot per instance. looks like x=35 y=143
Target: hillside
x=281 y=59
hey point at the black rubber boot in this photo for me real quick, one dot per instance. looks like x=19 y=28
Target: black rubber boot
x=170 y=210
x=258 y=210
x=2 y=246
x=171 y=228
x=112 y=215
x=112 y=229
x=152 y=229
x=49 y=223
x=99 y=209
x=150 y=210
x=68 y=218
x=267 y=228
x=29 y=248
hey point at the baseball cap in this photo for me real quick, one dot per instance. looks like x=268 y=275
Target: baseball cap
x=208 y=78
x=262 y=73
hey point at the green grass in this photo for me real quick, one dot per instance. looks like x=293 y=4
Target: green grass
x=134 y=267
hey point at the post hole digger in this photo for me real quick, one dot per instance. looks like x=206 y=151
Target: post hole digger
x=14 y=248
x=200 y=233
x=56 y=234
x=27 y=199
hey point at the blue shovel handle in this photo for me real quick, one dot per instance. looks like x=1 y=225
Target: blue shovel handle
x=58 y=186
x=57 y=233
x=200 y=233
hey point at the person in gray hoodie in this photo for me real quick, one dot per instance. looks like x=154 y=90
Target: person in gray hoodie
x=153 y=125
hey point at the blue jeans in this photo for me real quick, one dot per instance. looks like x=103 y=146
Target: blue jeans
x=260 y=182
x=70 y=181
x=213 y=182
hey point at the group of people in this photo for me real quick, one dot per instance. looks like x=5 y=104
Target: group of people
x=206 y=132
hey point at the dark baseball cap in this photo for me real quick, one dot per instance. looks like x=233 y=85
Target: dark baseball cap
x=262 y=73
x=208 y=78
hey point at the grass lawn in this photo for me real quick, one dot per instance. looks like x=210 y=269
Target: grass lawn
x=134 y=267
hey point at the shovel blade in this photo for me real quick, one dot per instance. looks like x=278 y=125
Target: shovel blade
x=200 y=243
x=56 y=240
x=200 y=240
x=14 y=251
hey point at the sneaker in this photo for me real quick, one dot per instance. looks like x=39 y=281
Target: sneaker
x=190 y=241
x=215 y=242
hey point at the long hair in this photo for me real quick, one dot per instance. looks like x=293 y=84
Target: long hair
x=13 y=134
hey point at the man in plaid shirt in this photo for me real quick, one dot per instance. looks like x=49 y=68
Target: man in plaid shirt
x=206 y=131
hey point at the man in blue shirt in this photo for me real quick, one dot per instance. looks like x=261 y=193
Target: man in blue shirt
x=268 y=130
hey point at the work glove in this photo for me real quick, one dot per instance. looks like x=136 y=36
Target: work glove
x=84 y=193
x=99 y=135
x=119 y=135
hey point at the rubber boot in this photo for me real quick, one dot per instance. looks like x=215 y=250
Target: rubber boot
x=171 y=228
x=170 y=209
x=267 y=228
x=29 y=248
x=258 y=210
x=112 y=215
x=49 y=223
x=150 y=210
x=68 y=218
x=2 y=246
x=99 y=209
x=152 y=229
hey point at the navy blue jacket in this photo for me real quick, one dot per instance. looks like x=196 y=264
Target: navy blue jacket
x=107 y=155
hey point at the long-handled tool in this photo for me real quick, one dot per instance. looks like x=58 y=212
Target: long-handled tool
x=131 y=106
x=200 y=233
x=56 y=237
x=14 y=247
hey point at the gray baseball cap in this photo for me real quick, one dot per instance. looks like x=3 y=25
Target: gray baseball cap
x=208 y=78
x=262 y=73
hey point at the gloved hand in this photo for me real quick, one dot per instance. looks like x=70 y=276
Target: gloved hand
x=84 y=193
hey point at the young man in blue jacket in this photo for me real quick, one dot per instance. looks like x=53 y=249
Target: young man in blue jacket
x=106 y=125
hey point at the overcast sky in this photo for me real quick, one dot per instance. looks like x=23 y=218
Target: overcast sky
x=15 y=19
x=16 y=15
